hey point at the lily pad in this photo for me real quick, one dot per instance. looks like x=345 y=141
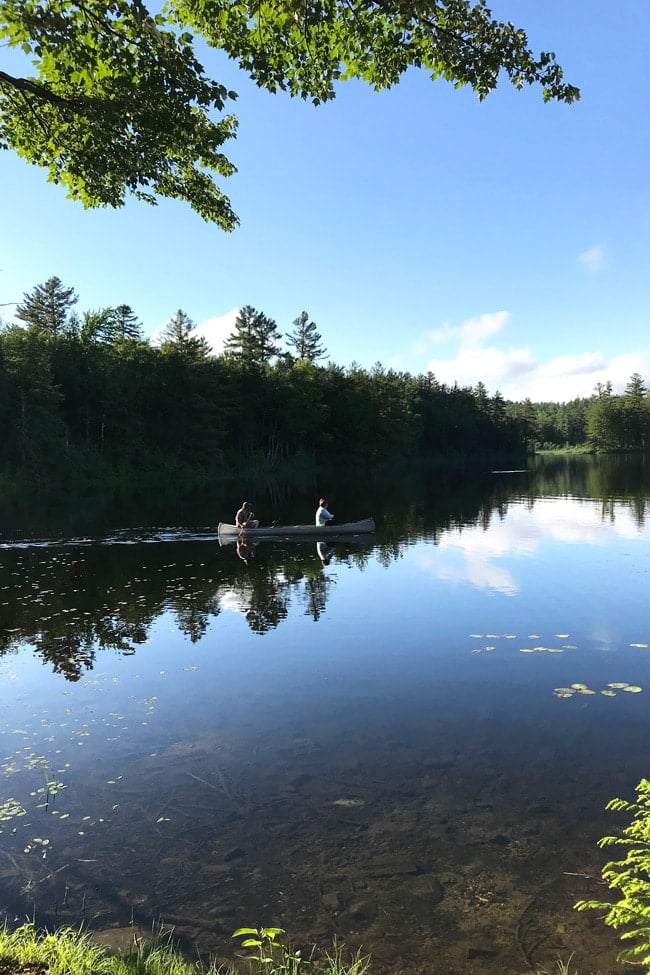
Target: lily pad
x=586 y=690
x=579 y=687
x=563 y=694
x=608 y=693
x=638 y=644
x=565 y=690
x=632 y=689
x=619 y=685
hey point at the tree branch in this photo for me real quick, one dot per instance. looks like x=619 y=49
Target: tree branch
x=29 y=87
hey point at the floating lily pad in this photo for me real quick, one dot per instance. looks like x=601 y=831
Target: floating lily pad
x=638 y=644
x=563 y=636
x=608 y=693
x=527 y=649
x=619 y=685
x=586 y=690
x=565 y=690
x=632 y=689
x=579 y=687
x=564 y=694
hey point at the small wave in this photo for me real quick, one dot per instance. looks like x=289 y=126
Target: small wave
x=138 y=536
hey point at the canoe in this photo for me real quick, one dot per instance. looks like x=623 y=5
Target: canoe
x=347 y=528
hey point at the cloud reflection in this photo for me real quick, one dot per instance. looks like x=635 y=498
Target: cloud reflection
x=473 y=553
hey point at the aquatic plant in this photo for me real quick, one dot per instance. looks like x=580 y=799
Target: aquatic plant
x=273 y=956
x=560 y=968
x=271 y=952
x=630 y=877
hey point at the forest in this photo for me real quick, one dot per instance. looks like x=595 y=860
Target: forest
x=89 y=394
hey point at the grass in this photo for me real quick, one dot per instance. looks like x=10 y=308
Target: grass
x=66 y=951
x=560 y=968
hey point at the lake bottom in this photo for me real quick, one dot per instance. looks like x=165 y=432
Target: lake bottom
x=446 y=831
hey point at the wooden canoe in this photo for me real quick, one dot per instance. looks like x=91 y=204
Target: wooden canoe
x=364 y=526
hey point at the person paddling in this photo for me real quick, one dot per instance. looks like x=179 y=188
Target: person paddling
x=323 y=516
x=245 y=518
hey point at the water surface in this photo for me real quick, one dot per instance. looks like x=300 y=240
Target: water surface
x=371 y=748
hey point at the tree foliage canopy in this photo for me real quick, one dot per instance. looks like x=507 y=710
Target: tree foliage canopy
x=118 y=102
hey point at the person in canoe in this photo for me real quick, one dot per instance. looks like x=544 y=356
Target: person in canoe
x=323 y=516
x=245 y=518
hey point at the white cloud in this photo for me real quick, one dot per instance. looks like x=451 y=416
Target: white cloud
x=471 y=332
x=215 y=330
x=568 y=377
x=594 y=259
x=517 y=373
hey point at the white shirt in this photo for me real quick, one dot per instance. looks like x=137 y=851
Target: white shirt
x=323 y=516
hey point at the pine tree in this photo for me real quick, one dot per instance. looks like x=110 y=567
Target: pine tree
x=46 y=308
x=177 y=338
x=125 y=325
x=306 y=339
x=255 y=339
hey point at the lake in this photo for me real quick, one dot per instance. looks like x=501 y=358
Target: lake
x=365 y=744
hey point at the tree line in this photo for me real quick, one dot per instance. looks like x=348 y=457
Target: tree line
x=88 y=391
x=603 y=421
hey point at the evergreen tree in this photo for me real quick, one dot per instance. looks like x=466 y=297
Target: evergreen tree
x=46 y=308
x=306 y=339
x=255 y=340
x=481 y=397
x=124 y=325
x=636 y=388
x=177 y=338
x=637 y=412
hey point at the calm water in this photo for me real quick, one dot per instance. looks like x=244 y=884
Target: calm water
x=370 y=749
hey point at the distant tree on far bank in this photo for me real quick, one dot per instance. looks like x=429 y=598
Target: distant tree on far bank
x=47 y=307
x=620 y=422
x=306 y=339
x=255 y=340
x=178 y=338
x=125 y=325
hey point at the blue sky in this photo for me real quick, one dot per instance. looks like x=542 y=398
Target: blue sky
x=506 y=241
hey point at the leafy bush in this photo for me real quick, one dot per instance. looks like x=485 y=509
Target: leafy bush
x=630 y=877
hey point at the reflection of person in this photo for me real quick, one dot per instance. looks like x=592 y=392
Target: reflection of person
x=245 y=550
x=322 y=514
x=325 y=552
x=245 y=518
